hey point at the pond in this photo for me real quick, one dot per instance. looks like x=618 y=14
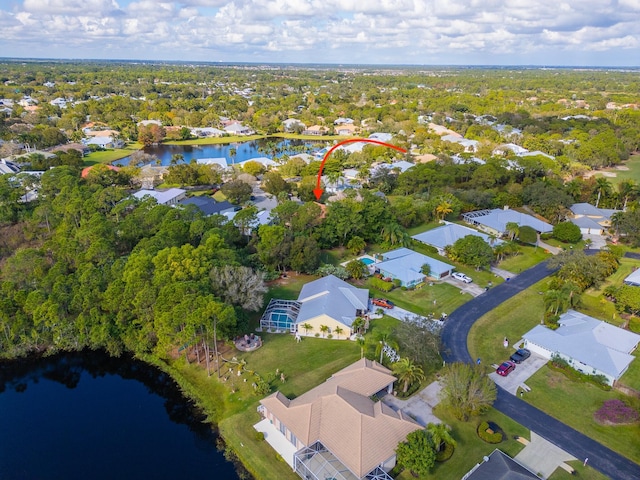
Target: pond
x=87 y=415
x=233 y=152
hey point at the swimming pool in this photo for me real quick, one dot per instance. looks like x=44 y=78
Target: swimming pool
x=367 y=261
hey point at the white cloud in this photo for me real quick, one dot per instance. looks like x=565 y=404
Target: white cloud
x=412 y=31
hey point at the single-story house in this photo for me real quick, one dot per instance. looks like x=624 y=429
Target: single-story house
x=335 y=430
x=291 y=124
x=509 y=147
x=589 y=345
x=221 y=161
x=207 y=132
x=590 y=219
x=264 y=161
x=346 y=129
x=104 y=142
x=237 y=129
x=448 y=234
x=85 y=171
x=171 y=196
x=8 y=167
x=208 y=205
x=80 y=147
x=469 y=145
x=328 y=301
x=316 y=130
x=381 y=136
x=495 y=221
x=151 y=175
x=405 y=265
x=633 y=278
x=343 y=121
x=500 y=466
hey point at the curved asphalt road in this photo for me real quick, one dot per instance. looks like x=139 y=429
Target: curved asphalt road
x=454 y=338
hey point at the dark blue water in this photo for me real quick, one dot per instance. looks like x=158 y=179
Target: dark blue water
x=243 y=151
x=88 y=416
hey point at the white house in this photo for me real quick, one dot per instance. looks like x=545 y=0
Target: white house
x=171 y=196
x=405 y=265
x=495 y=221
x=590 y=219
x=589 y=345
x=450 y=233
x=633 y=278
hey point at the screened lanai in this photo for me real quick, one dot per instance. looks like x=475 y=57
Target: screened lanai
x=318 y=463
x=280 y=315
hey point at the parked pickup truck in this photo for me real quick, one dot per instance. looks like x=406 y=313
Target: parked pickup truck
x=382 y=302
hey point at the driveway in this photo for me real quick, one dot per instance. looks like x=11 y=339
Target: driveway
x=470 y=288
x=542 y=456
x=520 y=375
x=262 y=200
x=402 y=314
x=419 y=406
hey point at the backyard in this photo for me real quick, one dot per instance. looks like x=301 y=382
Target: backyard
x=110 y=155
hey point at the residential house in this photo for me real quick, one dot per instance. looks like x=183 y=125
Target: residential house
x=499 y=466
x=336 y=430
x=316 y=130
x=80 y=147
x=381 y=136
x=633 y=278
x=508 y=148
x=495 y=221
x=60 y=102
x=346 y=129
x=264 y=161
x=343 y=121
x=590 y=219
x=221 y=161
x=469 y=145
x=589 y=345
x=450 y=233
x=8 y=167
x=207 y=205
x=171 y=196
x=293 y=124
x=237 y=129
x=104 y=142
x=405 y=265
x=328 y=301
x=85 y=171
x=207 y=132
x=146 y=123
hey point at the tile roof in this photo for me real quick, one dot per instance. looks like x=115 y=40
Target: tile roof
x=339 y=413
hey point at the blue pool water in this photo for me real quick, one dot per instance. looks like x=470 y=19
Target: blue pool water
x=367 y=261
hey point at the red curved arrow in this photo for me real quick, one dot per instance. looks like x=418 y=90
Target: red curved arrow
x=318 y=191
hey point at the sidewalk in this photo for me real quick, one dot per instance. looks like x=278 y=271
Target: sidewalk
x=420 y=406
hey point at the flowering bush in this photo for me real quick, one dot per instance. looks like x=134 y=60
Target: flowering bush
x=616 y=412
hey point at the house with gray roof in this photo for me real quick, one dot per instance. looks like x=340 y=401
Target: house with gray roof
x=207 y=205
x=591 y=220
x=327 y=302
x=633 y=278
x=164 y=197
x=405 y=265
x=469 y=145
x=495 y=221
x=500 y=466
x=589 y=345
x=449 y=233
x=220 y=161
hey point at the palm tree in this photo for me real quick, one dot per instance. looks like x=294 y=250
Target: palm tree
x=603 y=187
x=440 y=435
x=324 y=329
x=513 y=229
x=394 y=234
x=555 y=300
x=358 y=324
x=443 y=209
x=626 y=189
x=338 y=331
x=407 y=372
x=307 y=327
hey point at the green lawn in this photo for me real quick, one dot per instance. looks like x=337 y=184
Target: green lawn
x=511 y=319
x=631 y=377
x=574 y=403
x=108 y=156
x=633 y=164
x=420 y=300
x=527 y=258
x=582 y=472
x=471 y=448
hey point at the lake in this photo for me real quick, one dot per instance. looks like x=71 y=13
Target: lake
x=243 y=151
x=87 y=415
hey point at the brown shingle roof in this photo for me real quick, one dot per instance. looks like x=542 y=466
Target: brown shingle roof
x=339 y=413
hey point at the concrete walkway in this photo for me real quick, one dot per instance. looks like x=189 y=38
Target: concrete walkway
x=550 y=248
x=502 y=273
x=542 y=457
x=420 y=406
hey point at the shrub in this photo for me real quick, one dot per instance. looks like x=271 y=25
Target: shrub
x=381 y=285
x=259 y=436
x=317 y=335
x=561 y=365
x=485 y=434
x=616 y=412
x=445 y=454
x=567 y=232
x=397 y=282
x=330 y=336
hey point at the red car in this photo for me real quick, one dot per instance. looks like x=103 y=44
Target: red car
x=506 y=368
x=382 y=302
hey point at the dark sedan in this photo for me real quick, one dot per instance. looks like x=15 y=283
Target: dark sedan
x=520 y=355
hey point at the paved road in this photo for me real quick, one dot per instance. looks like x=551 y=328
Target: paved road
x=454 y=338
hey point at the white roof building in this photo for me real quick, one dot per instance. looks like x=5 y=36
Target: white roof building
x=589 y=345
x=164 y=197
x=633 y=278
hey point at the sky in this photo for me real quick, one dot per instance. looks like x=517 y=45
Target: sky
x=411 y=32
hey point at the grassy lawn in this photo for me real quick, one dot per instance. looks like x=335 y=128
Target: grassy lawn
x=574 y=403
x=528 y=257
x=633 y=164
x=631 y=377
x=471 y=448
x=420 y=300
x=108 y=156
x=511 y=319
x=586 y=473
x=557 y=243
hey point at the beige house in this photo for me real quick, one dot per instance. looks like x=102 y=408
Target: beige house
x=336 y=430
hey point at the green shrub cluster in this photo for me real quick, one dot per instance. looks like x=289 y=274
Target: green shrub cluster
x=561 y=365
x=495 y=437
x=381 y=285
x=446 y=453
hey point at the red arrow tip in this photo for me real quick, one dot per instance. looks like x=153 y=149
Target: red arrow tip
x=318 y=192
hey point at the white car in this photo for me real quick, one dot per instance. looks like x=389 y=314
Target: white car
x=462 y=277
